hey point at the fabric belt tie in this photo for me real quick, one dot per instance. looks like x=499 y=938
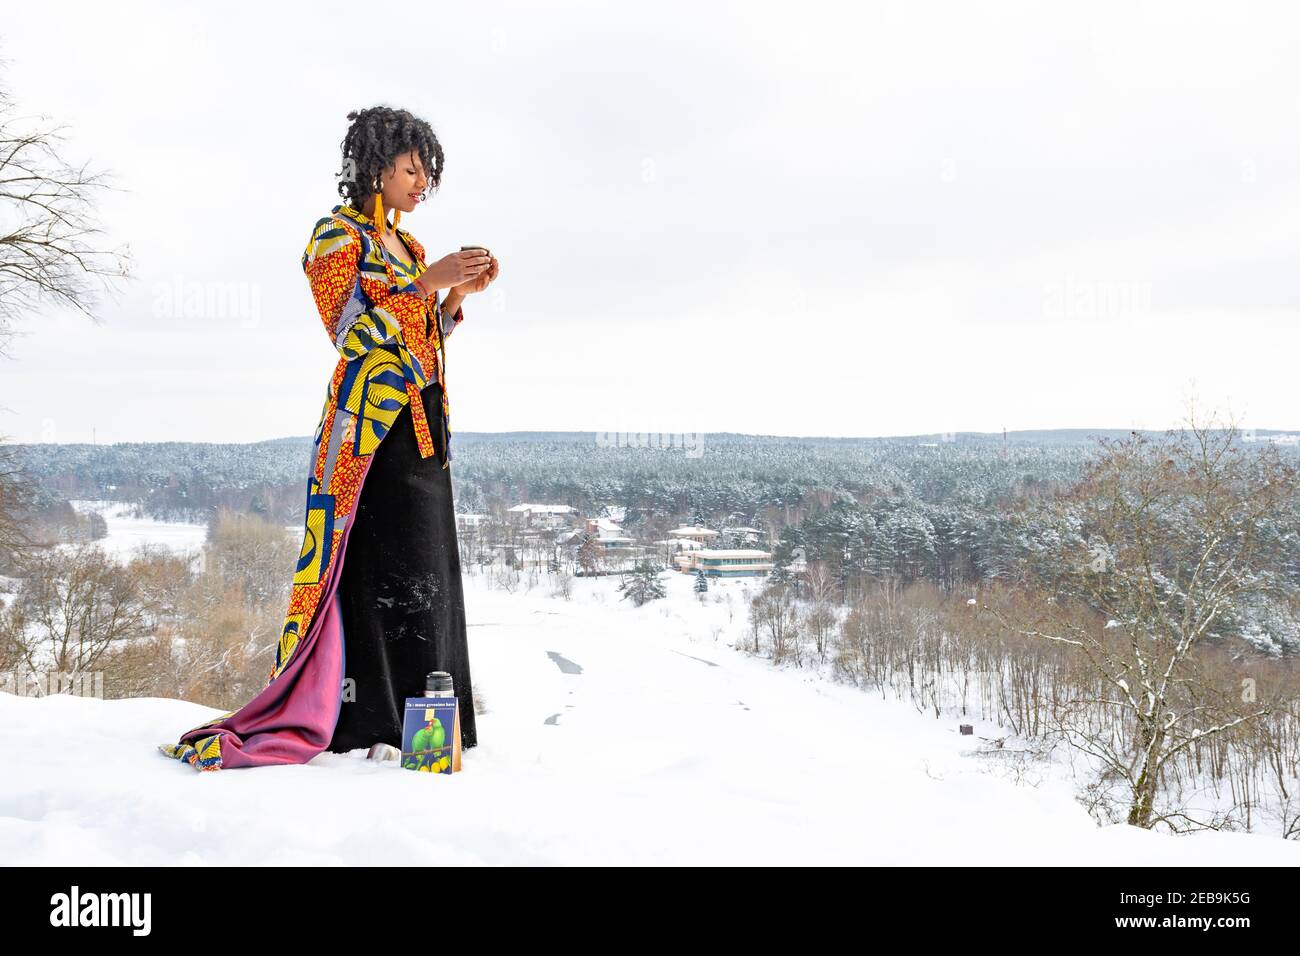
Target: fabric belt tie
x=419 y=419
x=426 y=356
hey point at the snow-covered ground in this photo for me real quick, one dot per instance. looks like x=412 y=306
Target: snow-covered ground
x=612 y=734
x=125 y=533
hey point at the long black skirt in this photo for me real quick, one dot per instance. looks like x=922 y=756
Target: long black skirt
x=403 y=610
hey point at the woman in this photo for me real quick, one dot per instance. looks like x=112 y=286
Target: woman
x=361 y=635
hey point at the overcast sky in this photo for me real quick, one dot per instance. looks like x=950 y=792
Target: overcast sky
x=792 y=219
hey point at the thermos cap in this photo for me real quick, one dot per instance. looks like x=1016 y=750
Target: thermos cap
x=438 y=682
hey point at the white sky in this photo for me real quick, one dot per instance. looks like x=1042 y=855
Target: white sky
x=796 y=219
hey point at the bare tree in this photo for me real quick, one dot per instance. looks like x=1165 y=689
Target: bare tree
x=822 y=623
x=1163 y=539
x=821 y=583
x=73 y=608
x=592 y=557
x=774 y=616
x=252 y=553
x=50 y=248
x=562 y=584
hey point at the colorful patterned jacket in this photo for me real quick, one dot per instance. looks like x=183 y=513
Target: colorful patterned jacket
x=389 y=348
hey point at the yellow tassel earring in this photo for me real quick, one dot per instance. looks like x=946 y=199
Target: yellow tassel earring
x=397 y=217
x=380 y=219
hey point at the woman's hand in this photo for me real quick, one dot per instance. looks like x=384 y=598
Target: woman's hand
x=482 y=280
x=454 y=270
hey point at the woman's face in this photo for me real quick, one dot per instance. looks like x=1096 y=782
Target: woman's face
x=404 y=181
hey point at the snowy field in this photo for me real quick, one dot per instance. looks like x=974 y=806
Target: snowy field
x=612 y=734
x=125 y=533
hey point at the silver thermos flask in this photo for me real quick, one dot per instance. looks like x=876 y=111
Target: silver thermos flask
x=438 y=684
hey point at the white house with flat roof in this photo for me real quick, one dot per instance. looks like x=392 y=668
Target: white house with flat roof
x=726 y=562
x=609 y=534
x=541 y=516
x=690 y=533
x=469 y=519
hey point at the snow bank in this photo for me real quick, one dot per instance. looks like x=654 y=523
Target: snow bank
x=612 y=735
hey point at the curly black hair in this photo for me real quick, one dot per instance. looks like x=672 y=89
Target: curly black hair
x=377 y=136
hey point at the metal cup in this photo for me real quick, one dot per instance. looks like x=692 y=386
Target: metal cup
x=382 y=751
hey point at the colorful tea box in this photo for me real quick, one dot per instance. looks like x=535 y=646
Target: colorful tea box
x=431 y=734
